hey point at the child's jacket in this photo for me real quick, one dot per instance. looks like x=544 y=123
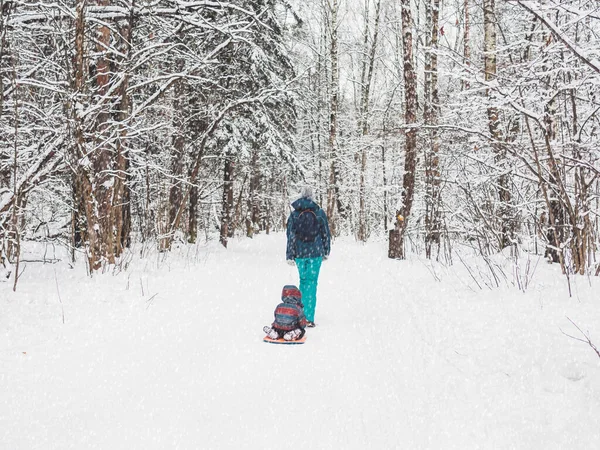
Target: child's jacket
x=289 y=315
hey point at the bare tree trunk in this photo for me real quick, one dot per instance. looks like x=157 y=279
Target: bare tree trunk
x=427 y=65
x=103 y=160
x=467 y=41
x=396 y=238
x=504 y=194
x=177 y=152
x=253 y=224
x=556 y=230
x=193 y=215
x=5 y=10
x=125 y=210
x=552 y=220
x=333 y=200
x=121 y=207
x=587 y=245
x=384 y=180
x=321 y=76
x=80 y=177
x=198 y=127
x=433 y=220
x=237 y=215
x=366 y=79
x=83 y=185
x=14 y=243
x=100 y=185
x=227 y=203
x=564 y=227
x=583 y=243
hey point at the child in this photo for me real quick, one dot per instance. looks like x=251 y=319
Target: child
x=289 y=316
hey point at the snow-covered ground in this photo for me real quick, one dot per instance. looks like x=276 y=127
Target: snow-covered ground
x=405 y=355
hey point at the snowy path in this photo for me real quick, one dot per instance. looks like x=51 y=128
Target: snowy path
x=397 y=361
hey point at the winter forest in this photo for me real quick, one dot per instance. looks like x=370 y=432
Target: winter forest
x=427 y=122
x=149 y=153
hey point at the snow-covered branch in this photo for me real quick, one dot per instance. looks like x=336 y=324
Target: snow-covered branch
x=560 y=35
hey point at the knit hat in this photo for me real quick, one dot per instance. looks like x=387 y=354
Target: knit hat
x=291 y=294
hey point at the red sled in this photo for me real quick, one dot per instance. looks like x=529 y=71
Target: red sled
x=302 y=340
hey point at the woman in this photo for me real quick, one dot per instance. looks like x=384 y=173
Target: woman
x=308 y=243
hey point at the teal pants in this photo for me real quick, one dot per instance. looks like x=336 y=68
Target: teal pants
x=308 y=269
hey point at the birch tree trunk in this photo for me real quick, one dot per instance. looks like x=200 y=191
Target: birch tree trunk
x=466 y=41
x=333 y=191
x=13 y=249
x=505 y=235
x=396 y=238
x=5 y=10
x=433 y=222
x=366 y=80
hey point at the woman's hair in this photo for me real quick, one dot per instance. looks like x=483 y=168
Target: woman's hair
x=307 y=192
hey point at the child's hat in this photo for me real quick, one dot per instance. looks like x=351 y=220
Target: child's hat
x=291 y=292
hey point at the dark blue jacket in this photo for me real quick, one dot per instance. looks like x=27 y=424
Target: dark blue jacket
x=321 y=246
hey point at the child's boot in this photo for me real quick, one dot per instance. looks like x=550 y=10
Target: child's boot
x=271 y=332
x=292 y=335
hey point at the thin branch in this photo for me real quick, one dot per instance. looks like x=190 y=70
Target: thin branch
x=587 y=339
x=577 y=51
x=59 y=298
